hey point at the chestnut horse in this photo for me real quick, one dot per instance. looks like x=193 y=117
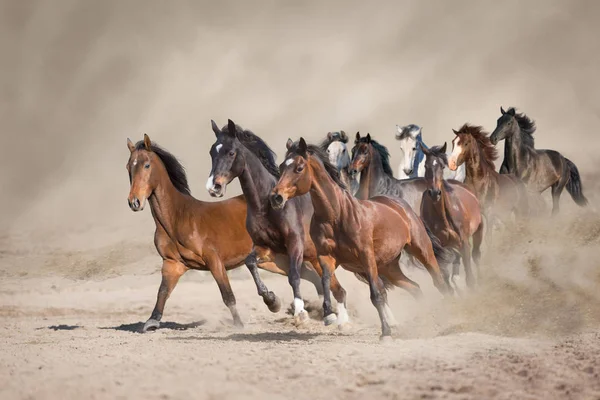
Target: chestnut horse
x=499 y=194
x=364 y=236
x=190 y=234
x=280 y=237
x=451 y=212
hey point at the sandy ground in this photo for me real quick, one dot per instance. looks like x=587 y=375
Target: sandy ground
x=532 y=330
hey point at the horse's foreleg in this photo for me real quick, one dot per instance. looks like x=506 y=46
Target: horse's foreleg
x=377 y=289
x=218 y=271
x=477 y=241
x=296 y=253
x=465 y=253
x=557 y=189
x=270 y=299
x=171 y=272
x=330 y=281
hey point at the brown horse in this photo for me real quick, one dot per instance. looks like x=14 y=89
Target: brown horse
x=499 y=194
x=364 y=236
x=451 y=212
x=190 y=234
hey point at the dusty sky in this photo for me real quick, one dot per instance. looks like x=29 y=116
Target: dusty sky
x=78 y=78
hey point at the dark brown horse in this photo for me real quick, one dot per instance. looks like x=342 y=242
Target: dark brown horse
x=499 y=194
x=190 y=234
x=539 y=169
x=451 y=212
x=280 y=236
x=364 y=236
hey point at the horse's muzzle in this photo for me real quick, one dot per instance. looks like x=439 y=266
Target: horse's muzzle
x=216 y=190
x=135 y=204
x=435 y=194
x=408 y=171
x=277 y=201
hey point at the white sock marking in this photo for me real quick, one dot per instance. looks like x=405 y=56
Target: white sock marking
x=342 y=314
x=298 y=306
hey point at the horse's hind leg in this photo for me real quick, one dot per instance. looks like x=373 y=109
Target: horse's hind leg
x=477 y=241
x=557 y=189
x=264 y=255
x=331 y=284
x=465 y=253
x=394 y=274
x=171 y=272
x=218 y=271
x=421 y=248
x=311 y=275
x=377 y=290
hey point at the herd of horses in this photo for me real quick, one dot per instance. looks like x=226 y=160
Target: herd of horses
x=326 y=206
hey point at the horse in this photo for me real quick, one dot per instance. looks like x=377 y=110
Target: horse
x=190 y=234
x=335 y=146
x=499 y=194
x=364 y=236
x=413 y=161
x=280 y=237
x=539 y=169
x=451 y=212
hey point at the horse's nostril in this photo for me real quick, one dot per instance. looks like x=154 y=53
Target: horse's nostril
x=217 y=187
x=277 y=199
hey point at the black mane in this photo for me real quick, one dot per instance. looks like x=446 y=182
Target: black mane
x=321 y=155
x=258 y=147
x=527 y=126
x=384 y=154
x=174 y=168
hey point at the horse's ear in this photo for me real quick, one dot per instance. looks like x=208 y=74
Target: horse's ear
x=444 y=147
x=511 y=111
x=423 y=148
x=368 y=138
x=302 y=147
x=343 y=136
x=147 y=142
x=215 y=128
x=455 y=132
x=329 y=136
x=130 y=145
x=357 y=136
x=231 y=128
x=289 y=144
x=502 y=110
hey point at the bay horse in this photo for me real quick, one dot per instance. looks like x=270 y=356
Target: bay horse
x=280 y=237
x=411 y=144
x=364 y=236
x=190 y=234
x=499 y=194
x=539 y=169
x=451 y=212
x=335 y=144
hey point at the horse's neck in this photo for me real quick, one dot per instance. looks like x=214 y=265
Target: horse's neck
x=476 y=170
x=441 y=208
x=515 y=153
x=419 y=157
x=165 y=202
x=373 y=178
x=325 y=195
x=256 y=182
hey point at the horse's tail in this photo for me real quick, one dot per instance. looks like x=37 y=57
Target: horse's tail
x=387 y=284
x=442 y=255
x=574 y=185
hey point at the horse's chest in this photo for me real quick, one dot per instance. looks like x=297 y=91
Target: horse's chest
x=264 y=233
x=322 y=235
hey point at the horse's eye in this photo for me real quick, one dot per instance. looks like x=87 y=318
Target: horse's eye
x=300 y=168
x=414 y=148
x=231 y=153
x=344 y=150
x=147 y=166
x=328 y=151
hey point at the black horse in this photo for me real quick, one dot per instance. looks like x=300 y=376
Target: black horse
x=539 y=169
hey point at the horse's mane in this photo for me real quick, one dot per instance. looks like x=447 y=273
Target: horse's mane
x=488 y=150
x=174 y=168
x=335 y=137
x=408 y=129
x=437 y=152
x=258 y=147
x=320 y=154
x=527 y=126
x=384 y=154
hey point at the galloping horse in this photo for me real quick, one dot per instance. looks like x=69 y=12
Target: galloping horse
x=413 y=162
x=539 y=169
x=335 y=146
x=451 y=212
x=498 y=194
x=190 y=234
x=364 y=236
x=280 y=237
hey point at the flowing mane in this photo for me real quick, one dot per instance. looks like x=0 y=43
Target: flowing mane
x=333 y=137
x=488 y=150
x=321 y=155
x=384 y=154
x=527 y=126
x=175 y=170
x=258 y=147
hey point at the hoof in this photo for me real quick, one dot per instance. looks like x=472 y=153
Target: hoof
x=151 y=325
x=301 y=318
x=273 y=303
x=330 y=319
x=386 y=339
x=238 y=324
x=345 y=327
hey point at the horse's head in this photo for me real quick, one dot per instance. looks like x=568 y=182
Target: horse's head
x=361 y=154
x=461 y=145
x=435 y=161
x=506 y=126
x=226 y=156
x=338 y=155
x=295 y=177
x=142 y=166
x=409 y=138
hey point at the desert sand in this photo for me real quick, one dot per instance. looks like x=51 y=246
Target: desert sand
x=78 y=269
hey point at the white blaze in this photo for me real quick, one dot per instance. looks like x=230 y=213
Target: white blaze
x=289 y=161
x=210 y=183
x=218 y=147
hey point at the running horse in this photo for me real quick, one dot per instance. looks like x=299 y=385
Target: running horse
x=190 y=234
x=280 y=237
x=335 y=144
x=539 y=169
x=364 y=236
x=452 y=213
x=499 y=194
